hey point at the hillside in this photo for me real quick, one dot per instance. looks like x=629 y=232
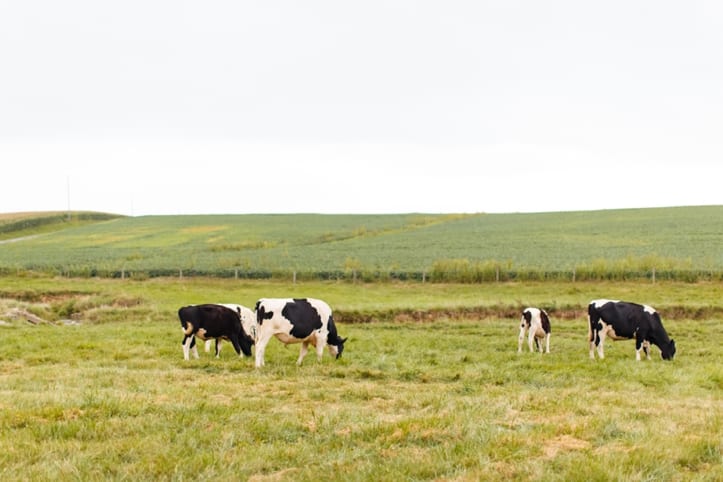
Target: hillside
x=463 y=247
x=20 y=225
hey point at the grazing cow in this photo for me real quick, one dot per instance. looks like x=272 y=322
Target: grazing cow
x=621 y=320
x=209 y=322
x=306 y=321
x=536 y=322
x=248 y=321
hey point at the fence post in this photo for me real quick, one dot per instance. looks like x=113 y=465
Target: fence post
x=294 y=276
x=497 y=274
x=424 y=276
x=180 y=274
x=653 y=274
x=573 y=275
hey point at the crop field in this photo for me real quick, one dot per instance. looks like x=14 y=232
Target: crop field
x=430 y=387
x=675 y=243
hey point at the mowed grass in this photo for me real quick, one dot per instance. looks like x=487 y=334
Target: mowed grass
x=447 y=399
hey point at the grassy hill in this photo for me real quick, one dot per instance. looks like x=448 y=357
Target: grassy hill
x=18 y=225
x=680 y=242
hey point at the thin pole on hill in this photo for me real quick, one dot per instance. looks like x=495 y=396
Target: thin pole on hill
x=68 y=192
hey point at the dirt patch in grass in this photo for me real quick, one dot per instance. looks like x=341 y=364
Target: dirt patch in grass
x=564 y=443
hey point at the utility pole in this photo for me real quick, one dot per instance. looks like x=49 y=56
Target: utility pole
x=68 y=189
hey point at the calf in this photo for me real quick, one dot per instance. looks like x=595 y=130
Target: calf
x=306 y=321
x=209 y=322
x=621 y=320
x=248 y=321
x=537 y=324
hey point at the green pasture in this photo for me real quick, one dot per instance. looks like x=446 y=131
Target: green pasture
x=426 y=389
x=676 y=243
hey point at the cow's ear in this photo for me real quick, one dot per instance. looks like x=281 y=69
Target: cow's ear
x=344 y=339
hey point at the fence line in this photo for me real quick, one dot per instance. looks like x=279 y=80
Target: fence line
x=471 y=276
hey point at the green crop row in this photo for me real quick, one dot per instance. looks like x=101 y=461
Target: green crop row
x=662 y=243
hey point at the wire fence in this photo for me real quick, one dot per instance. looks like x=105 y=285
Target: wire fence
x=495 y=274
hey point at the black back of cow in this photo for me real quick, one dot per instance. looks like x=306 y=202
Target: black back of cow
x=305 y=317
x=216 y=321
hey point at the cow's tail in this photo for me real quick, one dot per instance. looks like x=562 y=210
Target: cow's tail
x=188 y=328
x=592 y=317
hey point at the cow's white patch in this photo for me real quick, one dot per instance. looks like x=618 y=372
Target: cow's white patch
x=649 y=309
x=601 y=302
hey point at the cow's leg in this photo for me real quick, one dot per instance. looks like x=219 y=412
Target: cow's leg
x=547 y=343
x=600 y=343
x=189 y=343
x=640 y=342
x=646 y=349
x=208 y=346
x=531 y=338
x=194 y=347
x=218 y=347
x=520 y=339
x=302 y=352
x=320 y=344
x=261 y=348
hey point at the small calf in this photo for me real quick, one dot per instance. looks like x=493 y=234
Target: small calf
x=536 y=323
x=212 y=322
x=248 y=321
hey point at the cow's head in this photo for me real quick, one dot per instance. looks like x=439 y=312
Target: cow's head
x=526 y=319
x=667 y=350
x=337 y=346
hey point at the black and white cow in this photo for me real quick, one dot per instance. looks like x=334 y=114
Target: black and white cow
x=536 y=323
x=621 y=320
x=248 y=321
x=212 y=322
x=300 y=320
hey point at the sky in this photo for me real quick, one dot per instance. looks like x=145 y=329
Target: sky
x=158 y=107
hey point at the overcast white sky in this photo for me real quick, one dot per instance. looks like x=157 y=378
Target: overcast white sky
x=382 y=106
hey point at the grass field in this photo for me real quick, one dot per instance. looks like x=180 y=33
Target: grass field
x=615 y=244
x=448 y=398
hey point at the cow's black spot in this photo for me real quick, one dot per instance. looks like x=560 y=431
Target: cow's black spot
x=303 y=316
x=262 y=314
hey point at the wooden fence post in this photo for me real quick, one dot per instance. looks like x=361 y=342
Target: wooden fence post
x=653 y=274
